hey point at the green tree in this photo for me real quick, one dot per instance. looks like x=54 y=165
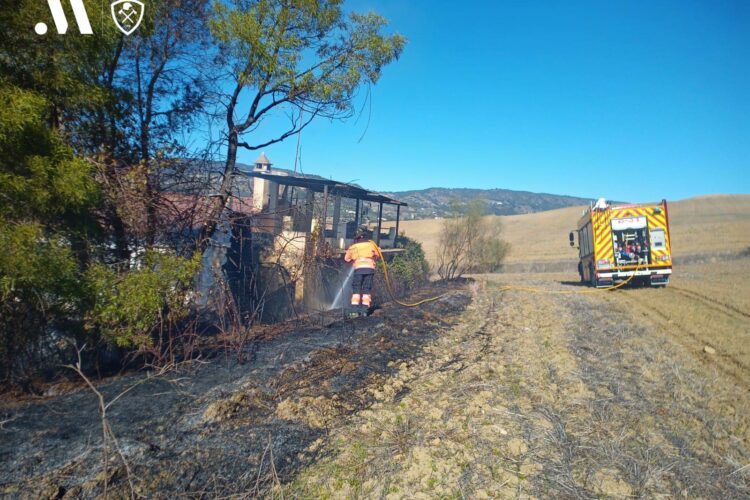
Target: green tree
x=73 y=74
x=68 y=110
x=305 y=57
x=46 y=194
x=69 y=71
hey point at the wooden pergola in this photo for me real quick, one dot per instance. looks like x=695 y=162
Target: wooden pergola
x=338 y=190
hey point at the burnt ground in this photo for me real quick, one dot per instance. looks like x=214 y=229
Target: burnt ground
x=516 y=386
x=216 y=427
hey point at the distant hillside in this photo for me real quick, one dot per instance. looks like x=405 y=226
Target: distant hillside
x=436 y=202
x=703 y=225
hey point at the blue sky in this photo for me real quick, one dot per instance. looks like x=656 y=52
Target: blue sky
x=630 y=100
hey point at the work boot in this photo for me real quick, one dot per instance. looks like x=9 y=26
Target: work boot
x=354 y=312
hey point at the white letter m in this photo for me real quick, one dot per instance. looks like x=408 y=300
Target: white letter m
x=79 y=11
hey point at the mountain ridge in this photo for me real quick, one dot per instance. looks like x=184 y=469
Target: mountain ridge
x=436 y=201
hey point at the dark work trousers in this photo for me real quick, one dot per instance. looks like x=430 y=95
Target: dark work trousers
x=362 y=281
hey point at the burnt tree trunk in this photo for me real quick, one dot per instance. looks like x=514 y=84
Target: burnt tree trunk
x=219 y=202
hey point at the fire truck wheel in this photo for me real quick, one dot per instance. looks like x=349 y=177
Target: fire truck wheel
x=592 y=275
x=580 y=272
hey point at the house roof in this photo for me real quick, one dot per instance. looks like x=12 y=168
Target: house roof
x=334 y=187
x=263 y=159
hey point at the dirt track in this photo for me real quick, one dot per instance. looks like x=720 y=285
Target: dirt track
x=552 y=395
x=562 y=395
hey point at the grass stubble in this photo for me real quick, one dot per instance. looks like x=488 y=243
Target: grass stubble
x=543 y=395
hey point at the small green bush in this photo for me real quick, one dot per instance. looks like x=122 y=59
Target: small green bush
x=408 y=270
x=132 y=310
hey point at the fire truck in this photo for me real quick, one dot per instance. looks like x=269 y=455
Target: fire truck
x=622 y=242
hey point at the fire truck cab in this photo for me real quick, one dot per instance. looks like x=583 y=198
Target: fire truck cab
x=616 y=243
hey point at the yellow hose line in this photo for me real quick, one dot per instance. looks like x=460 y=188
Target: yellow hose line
x=389 y=286
x=573 y=292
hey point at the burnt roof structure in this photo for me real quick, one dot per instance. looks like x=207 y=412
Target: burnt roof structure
x=332 y=187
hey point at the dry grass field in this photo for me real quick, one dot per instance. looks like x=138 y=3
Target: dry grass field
x=699 y=226
x=547 y=388
x=564 y=393
x=550 y=389
x=708 y=300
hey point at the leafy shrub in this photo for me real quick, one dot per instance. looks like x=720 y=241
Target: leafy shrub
x=46 y=196
x=145 y=306
x=488 y=251
x=38 y=285
x=408 y=270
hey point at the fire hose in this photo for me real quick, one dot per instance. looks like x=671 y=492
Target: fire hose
x=574 y=292
x=389 y=285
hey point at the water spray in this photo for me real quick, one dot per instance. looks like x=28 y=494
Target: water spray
x=347 y=284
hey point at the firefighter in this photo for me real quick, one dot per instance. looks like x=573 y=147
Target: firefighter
x=362 y=254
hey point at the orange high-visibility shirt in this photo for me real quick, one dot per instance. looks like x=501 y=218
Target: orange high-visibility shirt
x=362 y=255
